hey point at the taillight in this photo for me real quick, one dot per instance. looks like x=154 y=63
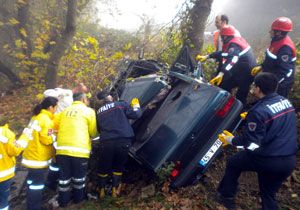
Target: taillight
x=176 y=169
x=222 y=112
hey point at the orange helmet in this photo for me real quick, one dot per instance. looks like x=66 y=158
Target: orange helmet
x=227 y=31
x=282 y=24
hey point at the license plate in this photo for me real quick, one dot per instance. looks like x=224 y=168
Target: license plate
x=212 y=150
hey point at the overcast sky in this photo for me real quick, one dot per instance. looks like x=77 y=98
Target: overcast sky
x=127 y=13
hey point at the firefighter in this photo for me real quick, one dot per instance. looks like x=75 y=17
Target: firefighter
x=280 y=57
x=220 y=22
x=39 y=152
x=116 y=135
x=269 y=141
x=237 y=61
x=9 y=149
x=76 y=124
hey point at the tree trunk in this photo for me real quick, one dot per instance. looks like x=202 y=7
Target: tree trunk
x=10 y=75
x=62 y=44
x=198 y=15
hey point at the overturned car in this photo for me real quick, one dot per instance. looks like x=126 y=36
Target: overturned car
x=182 y=116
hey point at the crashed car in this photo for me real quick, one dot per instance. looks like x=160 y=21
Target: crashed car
x=182 y=116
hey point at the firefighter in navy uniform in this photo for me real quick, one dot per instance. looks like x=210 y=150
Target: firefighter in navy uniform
x=270 y=143
x=280 y=57
x=238 y=60
x=116 y=135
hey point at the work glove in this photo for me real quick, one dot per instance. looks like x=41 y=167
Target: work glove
x=201 y=58
x=243 y=115
x=256 y=70
x=217 y=80
x=135 y=104
x=226 y=137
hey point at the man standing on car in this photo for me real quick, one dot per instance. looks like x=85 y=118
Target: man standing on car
x=281 y=56
x=270 y=143
x=237 y=61
x=116 y=135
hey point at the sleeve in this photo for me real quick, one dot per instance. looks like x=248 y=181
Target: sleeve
x=13 y=148
x=46 y=132
x=216 y=55
x=131 y=113
x=56 y=121
x=92 y=124
x=254 y=133
x=284 y=63
x=231 y=58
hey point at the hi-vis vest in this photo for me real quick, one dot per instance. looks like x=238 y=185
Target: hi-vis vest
x=75 y=125
x=9 y=148
x=40 y=150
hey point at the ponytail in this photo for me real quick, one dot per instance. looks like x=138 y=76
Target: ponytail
x=45 y=104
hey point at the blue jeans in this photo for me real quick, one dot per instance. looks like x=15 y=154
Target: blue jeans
x=4 y=193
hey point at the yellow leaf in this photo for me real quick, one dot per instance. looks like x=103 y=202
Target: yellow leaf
x=13 y=21
x=1 y=23
x=23 y=32
x=18 y=43
x=127 y=46
x=22 y=2
x=92 y=40
x=117 y=56
x=20 y=55
x=93 y=57
x=52 y=43
x=5 y=46
x=75 y=48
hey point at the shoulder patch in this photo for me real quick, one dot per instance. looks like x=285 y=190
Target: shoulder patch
x=252 y=126
x=285 y=58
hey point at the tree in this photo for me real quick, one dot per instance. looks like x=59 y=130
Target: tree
x=194 y=24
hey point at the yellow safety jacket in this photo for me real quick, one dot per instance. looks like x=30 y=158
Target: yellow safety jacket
x=9 y=149
x=76 y=125
x=40 y=132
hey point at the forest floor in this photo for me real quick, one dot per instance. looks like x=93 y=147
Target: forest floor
x=148 y=193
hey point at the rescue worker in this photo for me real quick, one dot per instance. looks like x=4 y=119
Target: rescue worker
x=116 y=135
x=220 y=22
x=39 y=152
x=237 y=61
x=270 y=143
x=9 y=149
x=76 y=124
x=280 y=57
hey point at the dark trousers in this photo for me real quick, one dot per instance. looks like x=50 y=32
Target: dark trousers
x=271 y=171
x=4 y=193
x=53 y=175
x=242 y=83
x=36 y=179
x=73 y=171
x=113 y=155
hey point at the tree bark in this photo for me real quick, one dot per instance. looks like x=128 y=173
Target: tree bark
x=10 y=75
x=61 y=45
x=197 y=19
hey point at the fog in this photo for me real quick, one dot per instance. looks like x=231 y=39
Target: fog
x=253 y=18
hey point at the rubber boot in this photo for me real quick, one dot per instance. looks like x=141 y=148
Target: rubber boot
x=102 y=179
x=116 y=186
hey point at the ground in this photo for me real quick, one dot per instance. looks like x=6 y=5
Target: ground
x=149 y=193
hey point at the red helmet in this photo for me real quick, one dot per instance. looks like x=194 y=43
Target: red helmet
x=282 y=24
x=227 y=31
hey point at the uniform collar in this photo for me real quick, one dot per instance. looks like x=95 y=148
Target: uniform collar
x=44 y=111
x=271 y=95
x=79 y=102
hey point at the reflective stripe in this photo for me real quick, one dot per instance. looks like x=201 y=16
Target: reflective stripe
x=64 y=182
x=5 y=208
x=271 y=54
x=294 y=59
x=224 y=54
x=64 y=189
x=289 y=73
x=280 y=81
x=103 y=175
x=73 y=149
x=53 y=137
x=7 y=172
x=78 y=186
x=78 y=179
x=228 y=67
x=52 y=168
x=235 y=59
x=3 y=138
x=253 y=146
x=29 y=182
x=117 y=173
x=245 y=51
x=35 y=163
x=36 y=187
x=22 y=143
